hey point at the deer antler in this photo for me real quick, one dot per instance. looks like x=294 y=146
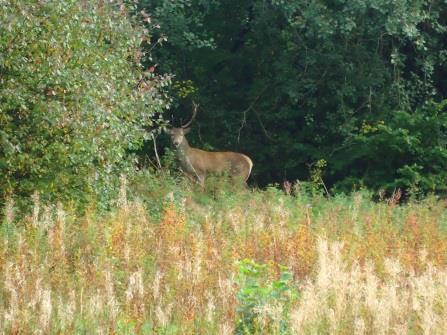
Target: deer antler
x=194 y=113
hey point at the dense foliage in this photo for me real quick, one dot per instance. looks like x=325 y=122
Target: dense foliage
x=74 y=99
x=347 y=92
x=358 y=84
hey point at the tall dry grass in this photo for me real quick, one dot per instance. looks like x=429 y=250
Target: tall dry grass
x=353 y=299
x=359 y=267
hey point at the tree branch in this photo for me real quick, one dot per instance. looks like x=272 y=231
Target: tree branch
x=244 y=120
x=156 y=151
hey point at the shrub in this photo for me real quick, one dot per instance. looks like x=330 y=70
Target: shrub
x=263 y=304
x=74 y=99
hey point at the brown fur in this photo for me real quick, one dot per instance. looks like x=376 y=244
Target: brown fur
x=197 y=163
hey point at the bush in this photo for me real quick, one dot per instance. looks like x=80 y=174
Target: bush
x=263 y=304
x=407 y=152
x=73 y=102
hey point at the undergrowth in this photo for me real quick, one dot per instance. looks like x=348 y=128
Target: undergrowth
x=173 y=258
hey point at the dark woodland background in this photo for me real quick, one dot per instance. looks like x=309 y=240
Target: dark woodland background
x=351 y=91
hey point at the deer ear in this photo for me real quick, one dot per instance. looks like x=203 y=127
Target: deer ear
x=186 y=131
x=168 y=131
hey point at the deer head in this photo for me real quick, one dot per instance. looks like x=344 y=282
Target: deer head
x=178 y=134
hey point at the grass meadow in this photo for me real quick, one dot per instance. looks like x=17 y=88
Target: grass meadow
x=170 y=258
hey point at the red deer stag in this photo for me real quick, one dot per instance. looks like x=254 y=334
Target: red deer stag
x=197 y=164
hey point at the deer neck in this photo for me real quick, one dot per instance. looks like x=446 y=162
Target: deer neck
x=183 y=155
x=183 y=150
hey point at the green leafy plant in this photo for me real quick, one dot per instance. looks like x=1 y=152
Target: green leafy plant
x=263 y=303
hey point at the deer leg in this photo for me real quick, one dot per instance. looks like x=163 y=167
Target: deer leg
x=192 y=178
x=196 y=178
x=201 y=180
